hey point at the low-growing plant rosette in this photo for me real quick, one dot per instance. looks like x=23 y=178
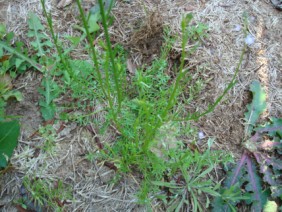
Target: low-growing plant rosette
x=262 y=148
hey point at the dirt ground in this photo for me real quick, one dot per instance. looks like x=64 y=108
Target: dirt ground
x=216 y=59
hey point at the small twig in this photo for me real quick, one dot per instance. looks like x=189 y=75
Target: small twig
x=97 y=140
x=73 y=166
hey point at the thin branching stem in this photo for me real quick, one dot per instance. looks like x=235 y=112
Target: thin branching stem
x=96 y=63
x=55 y=37
x=196 y=116
x=111 y=54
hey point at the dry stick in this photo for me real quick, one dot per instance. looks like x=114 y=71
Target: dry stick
x=101 y=147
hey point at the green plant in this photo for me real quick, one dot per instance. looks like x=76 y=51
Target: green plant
x=49 y=92
x=140 y=116
x=10 y=66
x=189 y=184
x=6 y=93
x=262 y=144
x=11 y=63
x=42 y=45
x=48 y=134
x=9 y=133
x=94 y=17
x=144 y=116
x=43 y=194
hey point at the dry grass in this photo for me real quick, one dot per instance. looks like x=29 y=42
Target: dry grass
x=218 y=57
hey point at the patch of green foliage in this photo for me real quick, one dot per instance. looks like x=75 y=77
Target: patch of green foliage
x=144 y=109
x=48 y=134
x=43 y=194
x=262 y=144
x=41 y=42
x=50 y=90
x=10 y=66
x=10 y=62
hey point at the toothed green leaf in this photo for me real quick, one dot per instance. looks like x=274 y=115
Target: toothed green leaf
x=228 y=199
x=273 y=128
x=50 y=92
x=257 y=106
x=36 y=31
x=254 y=187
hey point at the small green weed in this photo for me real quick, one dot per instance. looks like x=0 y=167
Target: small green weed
x=189 y=178
x=43 y=195
x=50 y=91
x=48 y=133
x=9 y=62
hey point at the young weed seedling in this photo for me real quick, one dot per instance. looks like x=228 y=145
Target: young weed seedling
x=43 y=195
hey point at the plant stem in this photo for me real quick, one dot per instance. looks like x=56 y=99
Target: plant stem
x=196 y=116
x=95 y=60
x=55 y=38
x=109 y=50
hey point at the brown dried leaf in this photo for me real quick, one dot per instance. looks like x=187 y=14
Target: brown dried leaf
x=63 y=3
x=131 y=66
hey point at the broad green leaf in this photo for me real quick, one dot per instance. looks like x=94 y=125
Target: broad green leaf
x=1 y=53
x=210 y=191
x=18 y=62
x=203 y=174
x=92 y=23
x=257 y=106
x=9 y=133
x=67 y=78
x=47 y=111
x=74 y=40
x=108 y=4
